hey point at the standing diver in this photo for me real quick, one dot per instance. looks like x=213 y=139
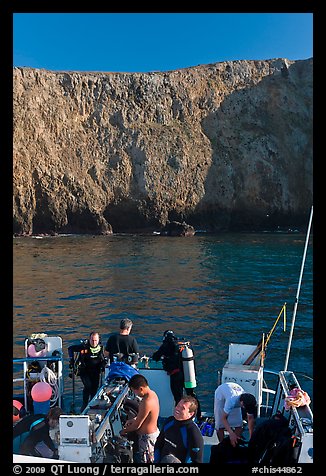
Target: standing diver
x=172 y=364
x=90 y=362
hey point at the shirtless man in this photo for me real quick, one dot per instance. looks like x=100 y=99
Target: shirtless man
x=145 y=423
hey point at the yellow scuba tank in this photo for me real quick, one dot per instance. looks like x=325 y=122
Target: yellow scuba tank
x=188 y=363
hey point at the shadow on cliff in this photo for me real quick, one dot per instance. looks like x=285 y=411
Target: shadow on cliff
x=261 y=172
x=260 y=176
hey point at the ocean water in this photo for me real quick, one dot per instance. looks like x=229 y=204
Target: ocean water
x=210 y=289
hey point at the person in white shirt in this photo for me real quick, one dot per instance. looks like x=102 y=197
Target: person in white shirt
x=230 y=400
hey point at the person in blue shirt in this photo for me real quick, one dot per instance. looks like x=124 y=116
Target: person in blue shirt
x=180 y=439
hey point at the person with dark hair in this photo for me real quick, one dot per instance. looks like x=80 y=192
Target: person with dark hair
x=230 y=400
x=90 y=363
x=39 y=442
x=180 y=439
x=172 y=364
x=122 y=343
x=145 y=423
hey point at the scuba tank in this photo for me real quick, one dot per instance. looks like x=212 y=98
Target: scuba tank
x=188 y=364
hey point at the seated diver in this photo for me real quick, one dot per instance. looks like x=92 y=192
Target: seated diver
x=38 y=442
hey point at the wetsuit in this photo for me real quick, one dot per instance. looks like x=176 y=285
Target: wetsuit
x=172 y=364
x=121 y=344
x=22 y=428
x=181 y=439
x=91 y=362
x=38 y=433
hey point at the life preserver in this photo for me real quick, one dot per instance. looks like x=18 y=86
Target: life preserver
x=18 y=411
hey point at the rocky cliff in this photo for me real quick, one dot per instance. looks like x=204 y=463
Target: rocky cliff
x=224 y=146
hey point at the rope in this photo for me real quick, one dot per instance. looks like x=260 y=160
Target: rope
x=47 y=375
x=262 y=345
x=283 y=310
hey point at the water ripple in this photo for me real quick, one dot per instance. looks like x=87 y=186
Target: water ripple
x=211 y=290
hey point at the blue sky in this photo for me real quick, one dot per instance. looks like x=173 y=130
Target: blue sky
x=141 y=42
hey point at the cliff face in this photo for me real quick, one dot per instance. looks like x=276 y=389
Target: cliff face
x=224 y=146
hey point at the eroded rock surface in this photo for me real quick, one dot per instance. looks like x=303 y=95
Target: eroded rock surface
x=224 y=146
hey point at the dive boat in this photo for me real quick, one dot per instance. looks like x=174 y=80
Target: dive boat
x=93 y=436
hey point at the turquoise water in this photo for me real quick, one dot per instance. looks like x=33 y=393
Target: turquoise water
x=211 y=290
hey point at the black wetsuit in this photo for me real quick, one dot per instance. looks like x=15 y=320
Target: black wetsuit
x=92 y=361
x=121 y=344
x=181 y=439
x=172 y=364
x=22 y=428
x=39 y=433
